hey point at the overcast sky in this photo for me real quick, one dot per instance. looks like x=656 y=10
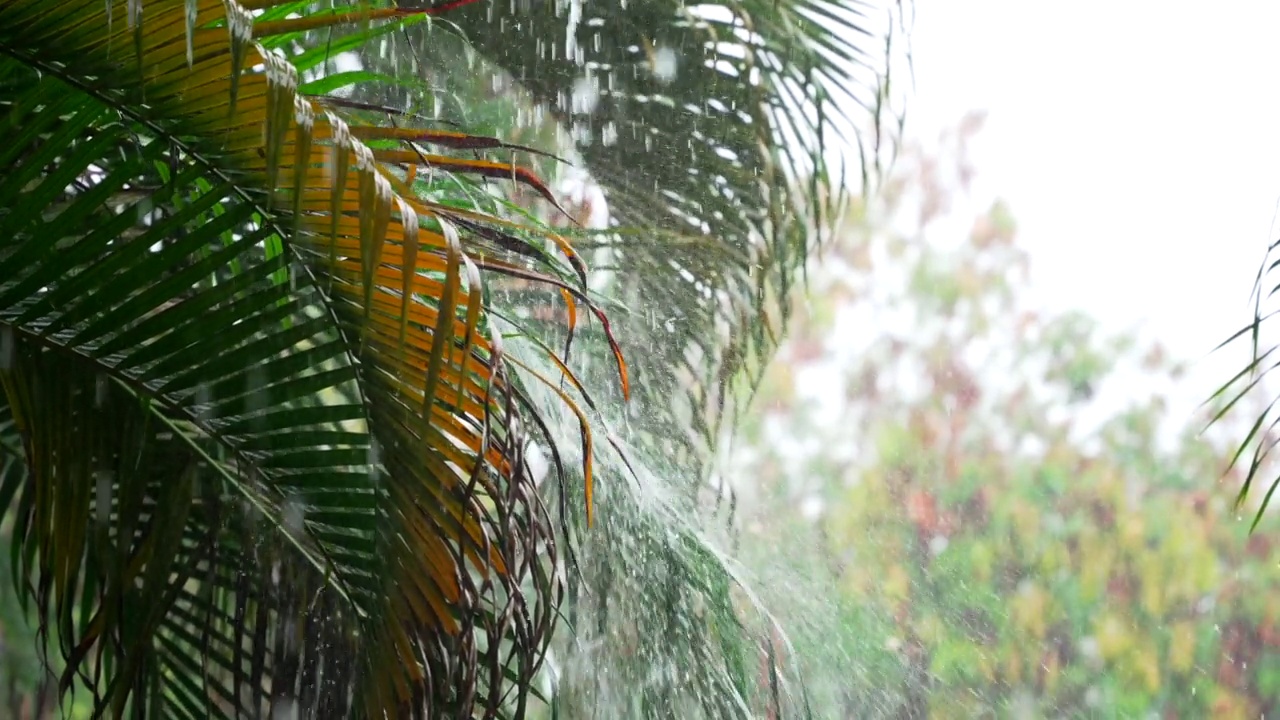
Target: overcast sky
x=1138 y=144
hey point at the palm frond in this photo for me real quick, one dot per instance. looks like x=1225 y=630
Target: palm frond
x=709 y=130
x=271 y=454
x=709 y=127
x=1244 y=392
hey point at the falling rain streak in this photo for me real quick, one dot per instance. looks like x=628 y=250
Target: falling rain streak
x=8 y=347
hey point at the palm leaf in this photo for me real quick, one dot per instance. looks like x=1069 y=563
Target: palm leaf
x=708 y=131
x=708 y=135
x=271 y=459
x=1241 y=393
x=708 y=128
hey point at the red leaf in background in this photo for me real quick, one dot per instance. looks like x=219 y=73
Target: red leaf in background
x=922 y=509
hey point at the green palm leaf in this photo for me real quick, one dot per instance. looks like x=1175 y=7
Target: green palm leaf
x=709 y=127
x=709 y=137
x=1240 y=393
x=269 y=453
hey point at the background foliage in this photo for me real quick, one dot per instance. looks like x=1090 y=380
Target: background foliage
x=1009 y=517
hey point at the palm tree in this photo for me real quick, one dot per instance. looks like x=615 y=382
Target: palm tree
x=264 y=424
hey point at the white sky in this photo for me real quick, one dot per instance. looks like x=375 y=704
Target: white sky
x=1138 y=144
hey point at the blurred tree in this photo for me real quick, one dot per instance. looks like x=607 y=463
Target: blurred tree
x=1011 y=523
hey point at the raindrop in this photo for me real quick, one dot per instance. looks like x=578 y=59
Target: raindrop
x=102 y=499
x=665 y=64
x=586 y=96
x=99 y=390
x=204 y=396
x=1089 y=647
x=538 y=465
x=6 y=347
x=375 y=460
x=937 y=545
x=290 y=636
x=811 y=507
x=294 y=515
